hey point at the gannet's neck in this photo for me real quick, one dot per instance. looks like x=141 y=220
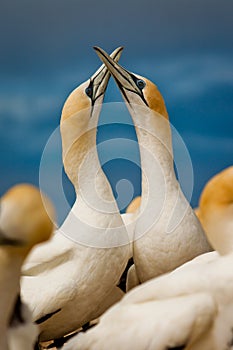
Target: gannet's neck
x=95 y=207
x=154 y=138
x=167 y=233
x=82 y=164
x=9 y=288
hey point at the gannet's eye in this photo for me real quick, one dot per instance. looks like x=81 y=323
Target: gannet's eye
x=141 y=84
x=89 y=91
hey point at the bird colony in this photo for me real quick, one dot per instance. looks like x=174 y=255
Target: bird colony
x=158 y=277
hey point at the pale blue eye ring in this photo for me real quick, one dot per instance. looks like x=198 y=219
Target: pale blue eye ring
x=141 y=84
x=88 y=91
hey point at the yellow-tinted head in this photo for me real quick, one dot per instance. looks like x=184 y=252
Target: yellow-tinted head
x=90 y=93
x=80 y=117
x=134 y=88
x=154 y=98
x=218 y=191
x=26 y=217
x=76 y=102
x=216 y=211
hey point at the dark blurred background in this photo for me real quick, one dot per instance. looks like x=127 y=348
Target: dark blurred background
x=184 y=46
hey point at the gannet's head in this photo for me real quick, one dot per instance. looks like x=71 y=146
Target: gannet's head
x=219 y=190
x=26 y=218
x=136 y=90
x=89 y=94
x=216 y=210
x=80 y=117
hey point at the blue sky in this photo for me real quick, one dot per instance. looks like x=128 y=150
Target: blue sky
x=184 y=46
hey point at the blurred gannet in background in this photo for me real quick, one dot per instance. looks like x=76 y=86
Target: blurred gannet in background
x=167 y=232
x=72 y=279
x=190 y=308
x=215 y=210
x=25 y=220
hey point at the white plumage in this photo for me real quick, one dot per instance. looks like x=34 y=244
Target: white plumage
x=22 y=335
x=190 y=308
x=167 y=232
x=68 y=281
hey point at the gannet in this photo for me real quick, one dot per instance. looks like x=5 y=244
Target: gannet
x=167 y=232
x=190 y=308
x=215 y=210
x=26 y=218
x=69 y=281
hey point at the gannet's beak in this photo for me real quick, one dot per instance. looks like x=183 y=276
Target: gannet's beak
x=99 y=80
x=126 y=81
